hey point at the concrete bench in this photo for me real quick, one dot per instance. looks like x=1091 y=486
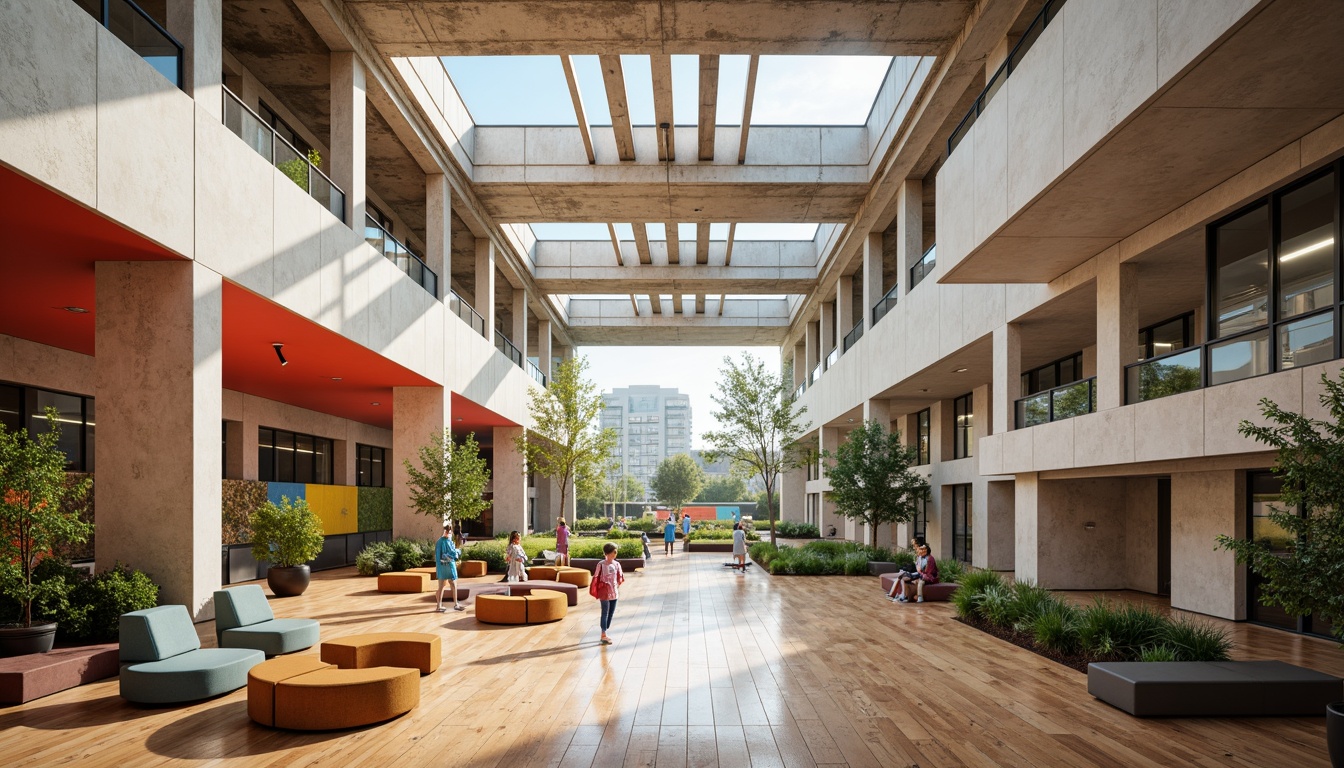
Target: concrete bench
x=933 y=593
x=1213 y=688
x=31 y=676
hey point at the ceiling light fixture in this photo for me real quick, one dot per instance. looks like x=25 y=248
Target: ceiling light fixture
x=335 y=378
x=277 y=345
x=459 y=418
x=960 y=370
x=375 y=403
x=76 y=310
x=1326 y=243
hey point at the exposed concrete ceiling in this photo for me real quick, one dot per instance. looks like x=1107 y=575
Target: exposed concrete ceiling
x=572 y=27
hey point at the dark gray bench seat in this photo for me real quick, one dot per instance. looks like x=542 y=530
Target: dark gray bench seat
x=1213 y=688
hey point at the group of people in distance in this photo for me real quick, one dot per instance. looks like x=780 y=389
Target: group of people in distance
x=926 y=572
x=607 y=575
x=670 y=537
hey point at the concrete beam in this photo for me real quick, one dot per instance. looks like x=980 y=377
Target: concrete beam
x=584 y=267
x=673 y=243
x=709 y=103
x=616 y=245
x=613 y=77
x=642 y=242
x=662 y=105
x=567 y=62
x=656 y=303
x=702 y=242
x=699 y=303
x=750 y=97
x=677 y=307
x=743 y=321
x=728 y=246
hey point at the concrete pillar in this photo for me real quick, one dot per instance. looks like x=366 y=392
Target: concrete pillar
x=1007 y=376
x=485 y=285
x=439 y=229
x=909 y=228
x=995 y=544
x=1204 y=579
x=812 y=341
x=510 y=483
x=983 y=412
x=544 y=347
x=159 y=388
x=827 y=321
x=793 y=495
x=879 y=411
x=520 y=321
x=872 y=276
x=251 y=441
x=826 y=517
x=844 y=309
x=1117 y=326
x=418 y=413
x=199 y=26
x=349 y=107
x=1026 y=528
x=799 y=363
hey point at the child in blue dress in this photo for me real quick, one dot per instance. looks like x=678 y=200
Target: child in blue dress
x=445 y=564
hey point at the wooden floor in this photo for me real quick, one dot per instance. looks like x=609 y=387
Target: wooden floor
x=709 y=668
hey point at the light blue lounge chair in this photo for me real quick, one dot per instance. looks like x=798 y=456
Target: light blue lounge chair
x=163 y=662
x=243 y=619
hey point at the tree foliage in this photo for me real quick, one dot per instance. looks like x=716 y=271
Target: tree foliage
x=1304 y=574
x=32 y=520
x=449 y=485
x=871 y=480
x=677 y=480
x=566 y=443
x=760 y=422
x=287 y=534
x=724 y=489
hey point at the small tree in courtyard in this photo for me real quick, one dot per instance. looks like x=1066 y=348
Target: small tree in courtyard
x=677 y=480
x=1303 y=564
x=760 y=422
x=450 y=483
x=871 y=481
x=566 y=444
x=724 y=489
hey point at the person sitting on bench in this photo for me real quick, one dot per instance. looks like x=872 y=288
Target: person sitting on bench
x=926 y=572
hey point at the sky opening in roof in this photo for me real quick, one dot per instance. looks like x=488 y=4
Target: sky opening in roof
x=513 y=90
x=685 y=231
x=817 y=90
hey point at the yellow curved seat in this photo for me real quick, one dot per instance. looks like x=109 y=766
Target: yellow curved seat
x=414 y=650
x=403 y=581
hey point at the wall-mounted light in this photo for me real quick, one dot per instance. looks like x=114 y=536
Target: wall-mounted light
x=1089 y=525
x=277 y=346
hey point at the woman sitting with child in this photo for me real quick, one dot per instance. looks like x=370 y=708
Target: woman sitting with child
x=926 y=572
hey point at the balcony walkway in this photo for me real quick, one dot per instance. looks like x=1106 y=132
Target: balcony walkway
x=709 y=668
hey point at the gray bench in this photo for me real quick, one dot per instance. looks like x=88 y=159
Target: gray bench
x=1213 y=688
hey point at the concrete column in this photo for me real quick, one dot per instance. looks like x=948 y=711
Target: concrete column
x=799 y=363
x=418 y=413
x=872 y=276
x=995 y=544
x=349 y=107
x=544 y=347
x=1204 y=579
x=546 y=499
x=844 y=309
x=439 y=229
x=199 y=26
x=520 y=321
x=510 y=483
x=983 y=412
x=909 y=228
x=1007 y=375
x=1026 y=527
x=879 y=411
x=159 y=388
x=827 y=321
x=829 y=440
x=485 y=285
x=251 y=441
x=1117 y=326
x=812 y=340
x=793 y=495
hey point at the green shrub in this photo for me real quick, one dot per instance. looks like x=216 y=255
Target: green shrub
x=997 y=605
x=374 y=509
x=98 y=602
x=856 y=564
x=592 y=548
x=792 y=530
x=1196 y=641
x=492 y=552
x=1119 y=633
x=763 y=552
x=951 y=570
x=1030 y=600
x=408 y=553
x=374 y=559
x=286 y=534
x=718 y=534
x=592 y=524
x=646 y=524
x=1159 y=653
x=1055 y=628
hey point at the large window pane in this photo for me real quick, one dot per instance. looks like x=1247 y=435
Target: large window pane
x=303 y=459
x=69 y=419
x=284 y=456
x=322 y=461
x=1240 y=358
x=1169 y=337
x=1307 y=341
x=266 y=455
x=1242 y=272
x=1306 y=251
x=11 y=406
x=1167 y=376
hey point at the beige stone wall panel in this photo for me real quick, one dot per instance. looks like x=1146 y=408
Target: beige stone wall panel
x=1204 y=578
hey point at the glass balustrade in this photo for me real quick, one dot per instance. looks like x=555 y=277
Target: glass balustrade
x=1057 y=404
x=853 y=336
x=885 y=304
x=1169 y=374
x=398 y=254
x=141 y=33
x=465 y=311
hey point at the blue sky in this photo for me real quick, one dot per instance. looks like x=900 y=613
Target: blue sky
x=693 y=370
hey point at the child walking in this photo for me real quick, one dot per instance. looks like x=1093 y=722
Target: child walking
x=607 y=581
x=445 y=565
x=516 y=558
x=562 y=543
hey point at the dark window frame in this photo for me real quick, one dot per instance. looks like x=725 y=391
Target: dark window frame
x=368 y=477
x=1031 y=379
x=963 y=434
x=962 y=513
x=924 y=437
x=86 y=461
x=1187 y=335
x=1305 y=624
x=273 y=472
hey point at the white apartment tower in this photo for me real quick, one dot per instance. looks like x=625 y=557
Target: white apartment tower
x=651 y=423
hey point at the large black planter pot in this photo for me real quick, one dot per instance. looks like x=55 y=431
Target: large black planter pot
x=290 y=581
x=1334 y=732
x=21 y=641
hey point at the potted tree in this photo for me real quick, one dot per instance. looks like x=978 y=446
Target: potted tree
x=288 y=535
x=1306 y=577
x=449 y=485
x=32 y=522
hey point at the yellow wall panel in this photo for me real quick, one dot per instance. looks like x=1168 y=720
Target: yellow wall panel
x=336 y=506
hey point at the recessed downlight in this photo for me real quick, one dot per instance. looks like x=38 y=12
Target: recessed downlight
x=375 y=403
x=335 y=378
x=76 y=310
x=960 y=370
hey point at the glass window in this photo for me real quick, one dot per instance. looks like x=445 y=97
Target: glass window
x=286 y=457
x=1166 y=336
x=1241 y=272
x=1240 y=358
x=1307 y=341
x=1306 y=248
x=1066 y=370
x=266 y=455
x=920 y=523
x=11 y=406
x=303 y=459
x=69 y=415
x=369 y=465
x=963 y=438
x=961 y=523
x=922 y=433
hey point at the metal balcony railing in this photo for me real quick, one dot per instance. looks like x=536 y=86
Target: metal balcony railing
x=924 y=266
x=885 y=304
x=798 y=392
x=832 y=358
x=141 y=33
x=464 y=310
x=1057 y=404
x=853 y=336
x=536 y=374
x=816 y=374
x=400 y=255
x=503 y=344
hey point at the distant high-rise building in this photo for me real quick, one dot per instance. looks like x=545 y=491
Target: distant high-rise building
x=651 y=423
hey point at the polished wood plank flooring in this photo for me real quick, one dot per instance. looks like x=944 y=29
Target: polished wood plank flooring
x=710 y=668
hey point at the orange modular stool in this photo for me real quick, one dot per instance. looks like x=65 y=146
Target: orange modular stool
x=536 y=608
x=402 y=581
x=304 y=694
x=428 y=570
x=543 y=572
x=471 y=568
x=576 y=576
x=414 y=650
x=264 y=677
x=345 y=698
